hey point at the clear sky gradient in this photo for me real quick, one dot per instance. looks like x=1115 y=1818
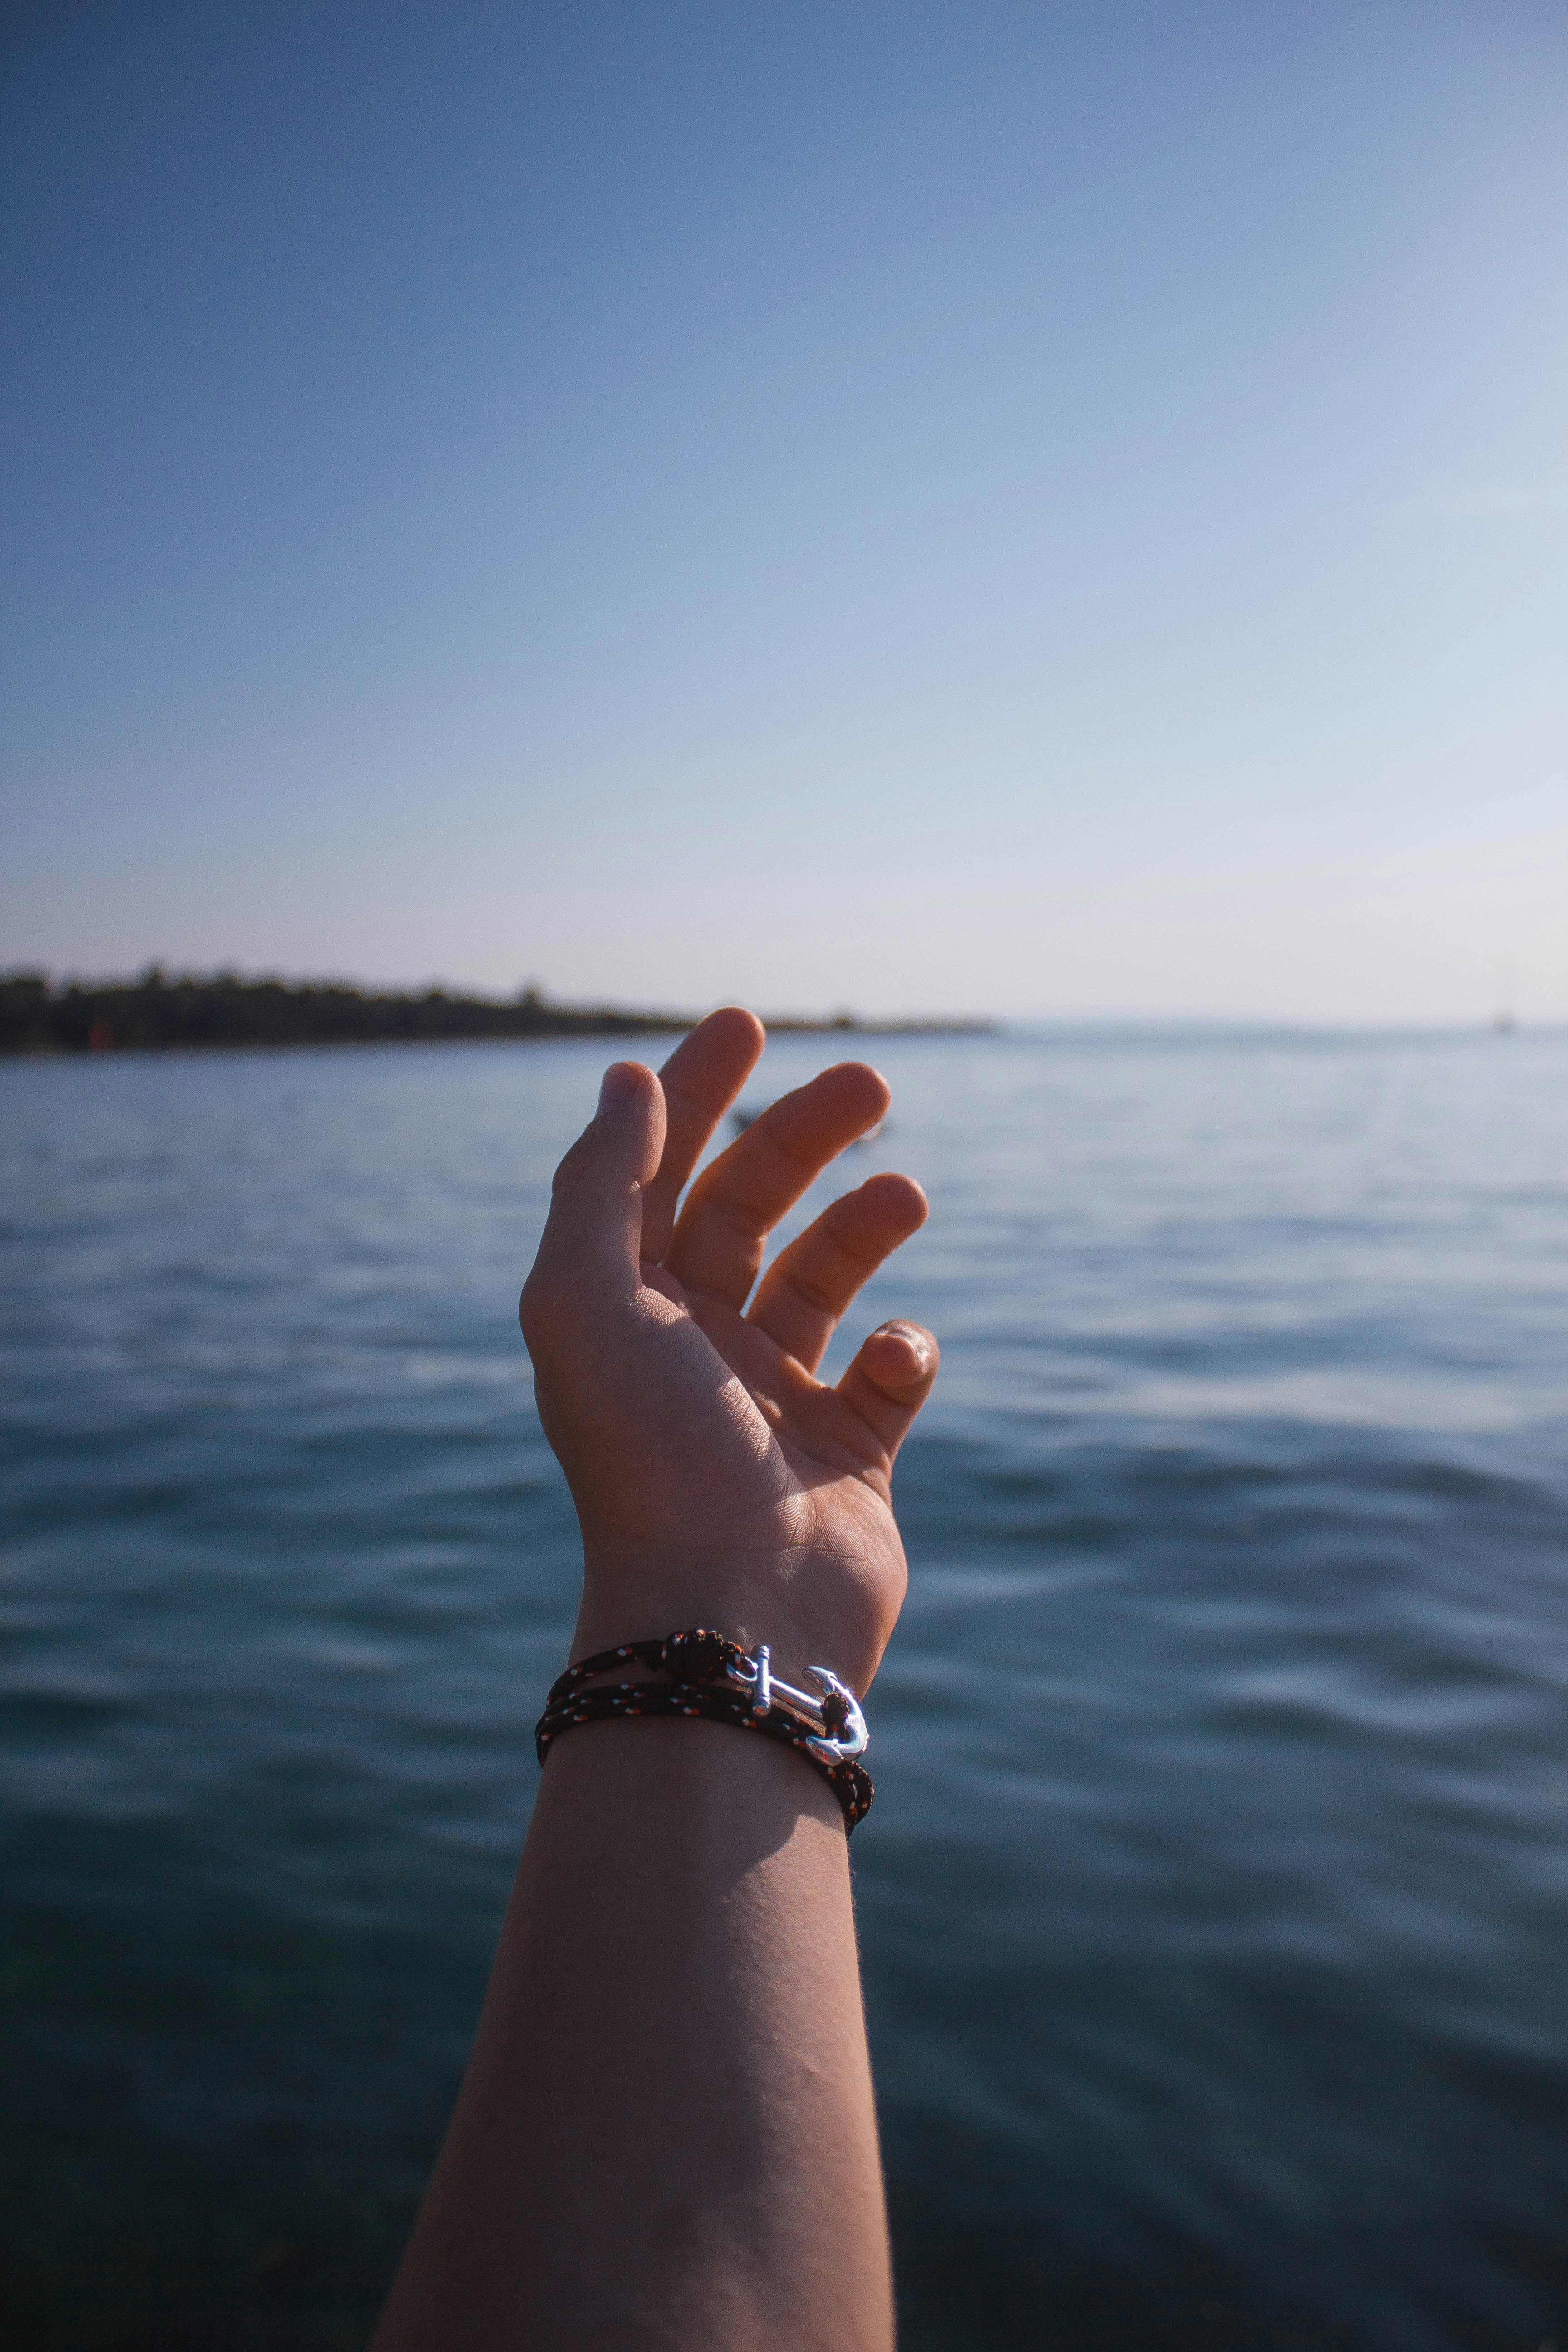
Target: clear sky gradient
x=965 y=507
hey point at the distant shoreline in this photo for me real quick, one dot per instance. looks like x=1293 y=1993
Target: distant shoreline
x=220 y=1011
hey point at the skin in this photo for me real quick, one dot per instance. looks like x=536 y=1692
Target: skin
x=665 y=2134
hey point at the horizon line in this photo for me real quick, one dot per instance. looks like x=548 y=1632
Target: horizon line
x=154 y=973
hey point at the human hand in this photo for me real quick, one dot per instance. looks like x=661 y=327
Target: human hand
x=718 y=1482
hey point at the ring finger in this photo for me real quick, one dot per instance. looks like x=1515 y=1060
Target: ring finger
x=810 y=1284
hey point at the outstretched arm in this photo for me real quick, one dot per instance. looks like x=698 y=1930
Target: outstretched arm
x=665 y=2136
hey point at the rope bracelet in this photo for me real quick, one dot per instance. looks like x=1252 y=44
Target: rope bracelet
x=713 y=1678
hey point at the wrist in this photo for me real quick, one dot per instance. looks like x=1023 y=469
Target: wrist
x=808 y=1607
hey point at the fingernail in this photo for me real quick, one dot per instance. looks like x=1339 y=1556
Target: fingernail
x=914 y=1339
x=619 y=1084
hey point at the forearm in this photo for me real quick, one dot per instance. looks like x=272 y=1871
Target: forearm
x=665 y=2136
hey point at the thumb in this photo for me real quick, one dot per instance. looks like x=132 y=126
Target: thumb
x=594 y=1232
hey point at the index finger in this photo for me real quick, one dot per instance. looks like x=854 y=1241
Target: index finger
x=700 y=1080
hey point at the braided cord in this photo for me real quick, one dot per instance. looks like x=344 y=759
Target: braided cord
x=569 y=1704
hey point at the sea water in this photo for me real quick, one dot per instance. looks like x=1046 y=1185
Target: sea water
x=1215 y=1905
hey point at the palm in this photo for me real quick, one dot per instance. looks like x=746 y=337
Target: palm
x=761 y=1433
x=683 y=1402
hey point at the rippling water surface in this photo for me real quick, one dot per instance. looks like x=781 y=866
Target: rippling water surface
x=1214 y=1907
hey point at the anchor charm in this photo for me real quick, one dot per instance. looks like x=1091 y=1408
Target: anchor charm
x=833 y=1705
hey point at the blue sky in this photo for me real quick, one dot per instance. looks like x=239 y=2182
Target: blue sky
x=1020 y=508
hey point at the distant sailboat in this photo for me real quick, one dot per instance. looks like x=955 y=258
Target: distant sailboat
x=743 y=1117
x=1504 y=1019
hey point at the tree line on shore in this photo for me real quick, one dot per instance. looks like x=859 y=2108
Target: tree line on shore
x=157 y=1011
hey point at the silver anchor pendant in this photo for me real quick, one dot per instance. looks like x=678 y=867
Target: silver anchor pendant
x=834 y=1705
